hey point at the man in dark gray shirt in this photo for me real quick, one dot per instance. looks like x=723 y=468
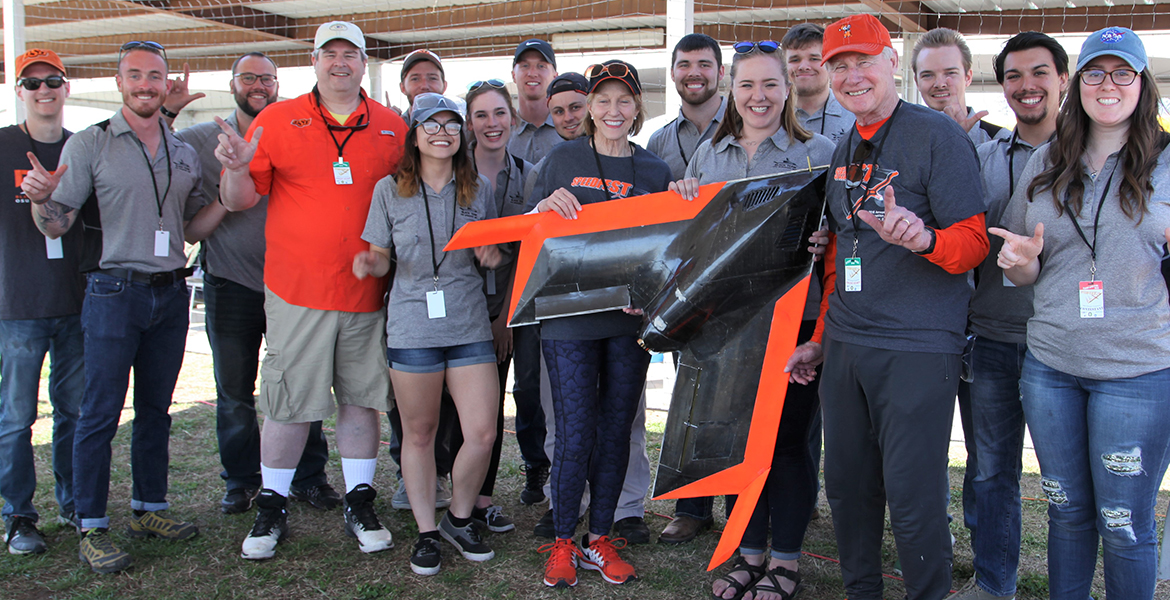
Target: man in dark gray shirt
x=1033 y=70
x=696 y=68
x=534 y=66
x=233 y=277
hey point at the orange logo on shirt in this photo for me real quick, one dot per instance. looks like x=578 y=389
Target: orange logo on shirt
x=302 y=123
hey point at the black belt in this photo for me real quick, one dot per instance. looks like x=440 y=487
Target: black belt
x=162 y=279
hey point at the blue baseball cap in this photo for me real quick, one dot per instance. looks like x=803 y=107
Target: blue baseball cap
x=429 y=104
x=1114 y=41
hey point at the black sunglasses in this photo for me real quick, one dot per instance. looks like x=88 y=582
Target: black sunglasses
x=495 y=83
x=149 y=46
x=33 y=84
x=765 y=46
x=855 y=173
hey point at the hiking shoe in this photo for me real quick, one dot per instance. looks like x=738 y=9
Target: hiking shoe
x=601 y=556
x=156 y=524
x=237 y=500
x=466 y=539
x=99 y=552
x=69 y=520
x=492 y=518
x=322 y=497
x=545 y=527
x=400 y=501
x=633 y=530
x=535 y=477
x=442 y=493
x=270 y=527
x=972 y=591
x=560 y=570
x=361 y=521
x=426 y=557
x=24 y=538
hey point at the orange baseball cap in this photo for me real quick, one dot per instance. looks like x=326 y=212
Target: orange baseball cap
x=856 y=33
x=38 y=55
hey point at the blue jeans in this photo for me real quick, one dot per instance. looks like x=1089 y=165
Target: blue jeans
x=997 y=420
x=1103 y=446
x=127 y=325
x=23 y=345
x=530 y=417
x=235 y=328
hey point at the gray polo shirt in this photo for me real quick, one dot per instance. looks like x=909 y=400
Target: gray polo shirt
x=1133 y=338
x=113 y=164
x=508 y=200
x=532 y=142
x=831 y=120
x=979 y=135
x=401 y=224
x=677 y=141
x=1000 y=310
x=235 y=250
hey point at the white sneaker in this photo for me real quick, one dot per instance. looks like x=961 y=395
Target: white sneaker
x=270 y=527
x=361 y=521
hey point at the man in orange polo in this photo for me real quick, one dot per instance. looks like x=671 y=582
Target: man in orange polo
x=318 y=157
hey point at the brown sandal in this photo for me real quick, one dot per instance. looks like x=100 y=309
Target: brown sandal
x=741 y=566
x=770 y=582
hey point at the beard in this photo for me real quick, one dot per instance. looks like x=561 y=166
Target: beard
x=1033 y=118
x=145 y=110
x=696 y=97
x=245 y=104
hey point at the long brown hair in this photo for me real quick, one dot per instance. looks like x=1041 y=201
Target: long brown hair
x=732 y=123
x=1138 y=156
x=409 y=178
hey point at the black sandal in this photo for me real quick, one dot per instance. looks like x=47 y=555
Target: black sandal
x=741 y=566
x=770 y=583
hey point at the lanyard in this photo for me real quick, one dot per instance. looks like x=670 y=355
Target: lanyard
x=435 y=262
x=889 y=126
x=633 y=170
x=1011 y=152
x=352 y=128
x=678 y=140
x=153 y=181
x=1096 y=221
x=825 y=113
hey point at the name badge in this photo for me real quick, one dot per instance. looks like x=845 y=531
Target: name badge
x=1007 y=282
x=1092 y=299
x=53 y=248
x=490 y=279
x=162 y=243
x=341 y=173
x=436 y=306
x=852 y=274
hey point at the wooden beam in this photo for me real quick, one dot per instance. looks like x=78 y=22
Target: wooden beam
x=283 y=58
x=890 y=13
x=1010 y=22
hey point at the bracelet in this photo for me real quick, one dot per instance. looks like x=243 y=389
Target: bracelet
x=167 y=113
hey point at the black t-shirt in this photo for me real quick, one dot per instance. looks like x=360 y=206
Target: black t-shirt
x=32 y=286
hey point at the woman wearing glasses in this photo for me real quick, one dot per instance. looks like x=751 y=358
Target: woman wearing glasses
x=1093 y=211
x=438 y=330
x=760 y=135
x=596 y=367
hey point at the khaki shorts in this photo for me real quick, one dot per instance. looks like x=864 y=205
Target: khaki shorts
x=314 y=352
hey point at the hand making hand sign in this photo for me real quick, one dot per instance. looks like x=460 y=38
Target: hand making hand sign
x=1017 y=258
x=234 y=152
x=39 y=183
x=900 y=226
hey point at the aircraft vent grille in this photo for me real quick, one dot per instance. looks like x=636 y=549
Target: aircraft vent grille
x=759 y=197
x=790 y=240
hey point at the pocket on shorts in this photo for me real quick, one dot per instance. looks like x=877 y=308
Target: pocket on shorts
x=273 y=400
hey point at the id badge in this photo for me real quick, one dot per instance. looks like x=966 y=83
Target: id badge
x=341 y=173
x=1092 y=299
x=53 y=248
x=162 y=243
x=853 y=274
x=490 y=280
x=436 y=306
x=1007 y=282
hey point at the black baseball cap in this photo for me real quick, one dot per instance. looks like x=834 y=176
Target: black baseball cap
x=544 y=48
x=568 y=82
x=614 y=69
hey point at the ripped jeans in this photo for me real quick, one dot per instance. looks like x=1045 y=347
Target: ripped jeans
x=1103 y=447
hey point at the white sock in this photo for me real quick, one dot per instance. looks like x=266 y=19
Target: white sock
x=277 y=480
x=358 y=471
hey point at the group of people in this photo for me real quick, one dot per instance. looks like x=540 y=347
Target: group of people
x=336 y=261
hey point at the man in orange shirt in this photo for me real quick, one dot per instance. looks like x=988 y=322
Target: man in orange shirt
x=318 y=157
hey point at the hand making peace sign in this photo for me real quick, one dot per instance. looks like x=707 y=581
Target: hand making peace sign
x=39 y=183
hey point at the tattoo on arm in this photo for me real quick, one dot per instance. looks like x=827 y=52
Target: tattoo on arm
x=53 y=217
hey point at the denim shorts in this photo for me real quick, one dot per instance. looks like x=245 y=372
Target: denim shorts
x=436 y=360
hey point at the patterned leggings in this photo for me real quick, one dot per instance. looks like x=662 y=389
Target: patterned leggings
x=596 y=385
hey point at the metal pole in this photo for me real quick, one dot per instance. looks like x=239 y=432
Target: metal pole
x=13 y=47
x=680 y=21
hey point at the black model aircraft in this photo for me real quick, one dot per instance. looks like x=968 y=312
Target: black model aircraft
x=722 y=280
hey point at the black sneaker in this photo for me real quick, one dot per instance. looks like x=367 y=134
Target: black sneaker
x=493 y=519
x=237 y=500
x=466 y=540
x=426 y=557
x=545 y=527
x=633 y=530
x=270 y=528
x=361 y=521
x=535 y=477
x=23 y=537
x=322 y=497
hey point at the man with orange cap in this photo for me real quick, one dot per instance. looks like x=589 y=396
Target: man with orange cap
x=905 y=206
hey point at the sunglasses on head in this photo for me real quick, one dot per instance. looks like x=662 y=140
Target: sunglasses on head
x=495 y=83
x=433 y=127
x=149 y=46
x=747 y=47
x=617 y=69
x=855 y=172
x=33 y=84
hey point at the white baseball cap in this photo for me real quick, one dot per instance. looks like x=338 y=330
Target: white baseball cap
x=339 y=30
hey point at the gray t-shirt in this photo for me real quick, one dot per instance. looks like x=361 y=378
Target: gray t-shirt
x=113 y=164
x=235 y=250
x=509 y=201
x=1000 y=310
x=677 y=141
x=906 y=303
x=1133 y=338
x=533 y=142
x=401 y=224
x=831 y=120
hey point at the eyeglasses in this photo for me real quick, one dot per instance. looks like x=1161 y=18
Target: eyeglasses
x=748 y=47
x=855 y=173
x=149 y=46
x=1119 y=77
x=495 y=83
x=250 y=78
x=617 y=69
x=33 y=84
x=433 y=127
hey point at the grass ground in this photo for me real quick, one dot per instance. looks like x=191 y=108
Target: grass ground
x=318 y=561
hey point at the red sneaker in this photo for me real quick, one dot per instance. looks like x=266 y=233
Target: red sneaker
x=560 y=570
x=601 y=555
